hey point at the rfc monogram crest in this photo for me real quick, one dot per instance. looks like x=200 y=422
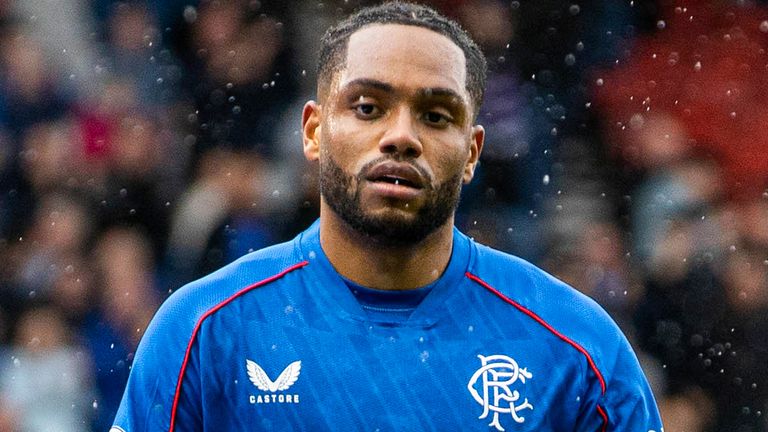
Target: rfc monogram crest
x=490 y=386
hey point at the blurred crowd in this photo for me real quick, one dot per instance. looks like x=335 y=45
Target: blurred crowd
x=145 y=143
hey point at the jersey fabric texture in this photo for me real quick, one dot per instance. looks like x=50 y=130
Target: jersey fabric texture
x=278 y=341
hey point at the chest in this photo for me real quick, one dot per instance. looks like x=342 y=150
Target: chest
x=267 y=375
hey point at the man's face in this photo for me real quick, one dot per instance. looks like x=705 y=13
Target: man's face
x=394 y=133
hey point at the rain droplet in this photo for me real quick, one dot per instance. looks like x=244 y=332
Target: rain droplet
x=545 y=180
x=764 y=26
x=95 y=404
x=190 y=14
x=236 y=109
x=599 y=82
x=697 y=66
x=661 y=24
x=570 y=59
x=574 y=9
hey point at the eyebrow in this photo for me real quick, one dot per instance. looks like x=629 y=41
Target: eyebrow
x=441 y=92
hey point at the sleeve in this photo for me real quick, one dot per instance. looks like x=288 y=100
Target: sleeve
x=166 y=354
x=627 y=404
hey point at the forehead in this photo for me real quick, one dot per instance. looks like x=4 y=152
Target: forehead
x=404 y=56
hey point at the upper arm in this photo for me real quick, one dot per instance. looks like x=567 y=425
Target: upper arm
x=164 y=356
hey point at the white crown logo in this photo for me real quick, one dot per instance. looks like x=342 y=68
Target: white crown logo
x=260 y=379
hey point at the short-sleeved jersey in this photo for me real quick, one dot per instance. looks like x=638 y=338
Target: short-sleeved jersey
x=277 y=341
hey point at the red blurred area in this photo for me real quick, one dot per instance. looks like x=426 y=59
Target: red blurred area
x=707 y=67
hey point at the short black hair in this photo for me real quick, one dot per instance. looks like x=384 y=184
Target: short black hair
x=333 y=45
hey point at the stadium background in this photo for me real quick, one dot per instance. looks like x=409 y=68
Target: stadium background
x=146 y=143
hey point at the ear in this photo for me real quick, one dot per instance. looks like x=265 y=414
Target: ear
x=476 y=140
x=310 y=128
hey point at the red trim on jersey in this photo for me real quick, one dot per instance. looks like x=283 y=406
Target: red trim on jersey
x=602 y=413
x=546 y=325
x=209 y=313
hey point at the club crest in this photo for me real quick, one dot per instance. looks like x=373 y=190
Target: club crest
x=491 y=387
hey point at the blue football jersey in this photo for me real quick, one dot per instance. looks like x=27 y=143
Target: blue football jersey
x=278 y=341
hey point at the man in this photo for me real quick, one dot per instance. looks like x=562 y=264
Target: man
x=382 y=316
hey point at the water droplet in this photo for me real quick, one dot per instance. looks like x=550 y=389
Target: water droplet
x=190 y=14
x=424 y=356
x=661 y=24
x=545 y=180
x=764 y=26
x=570 y=59
x=471 y=329
x=599 y=82
x=95 y=404
x=312 y=255
x=574 y=9
x=697 y=66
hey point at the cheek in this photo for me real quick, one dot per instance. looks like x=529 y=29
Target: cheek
x=448 y=164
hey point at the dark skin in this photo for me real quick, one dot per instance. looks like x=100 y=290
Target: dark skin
x=401 y=97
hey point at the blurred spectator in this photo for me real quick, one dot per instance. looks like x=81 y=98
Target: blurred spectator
x=242 y=79
x=224 y=215
x=126 y=298
x=65 y=34
x=47 y=384
x=29 y=90
x=691 y=410
x=138 y=54
x=508 y=180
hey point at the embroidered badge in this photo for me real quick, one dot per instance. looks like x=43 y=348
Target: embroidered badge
x=490 y=386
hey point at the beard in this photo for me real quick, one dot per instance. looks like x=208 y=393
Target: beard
x=341 y=192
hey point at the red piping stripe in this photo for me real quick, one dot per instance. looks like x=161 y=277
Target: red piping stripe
x=604 y=416
x=546 y=325
x=209 y=313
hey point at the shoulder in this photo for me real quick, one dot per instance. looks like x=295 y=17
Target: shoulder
x=259 y=268
x=563 y=311
x=530 y=286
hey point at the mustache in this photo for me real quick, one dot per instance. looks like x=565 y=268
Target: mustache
x=361 y=176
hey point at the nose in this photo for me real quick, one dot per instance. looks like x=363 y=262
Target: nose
x=401 y=136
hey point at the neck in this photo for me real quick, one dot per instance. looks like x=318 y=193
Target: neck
x=360 y=259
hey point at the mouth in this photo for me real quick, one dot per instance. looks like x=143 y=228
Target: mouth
x=395 y=181
x=397 y=174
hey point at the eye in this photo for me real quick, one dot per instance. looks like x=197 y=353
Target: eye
x=436 y=118
x=366 y=110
